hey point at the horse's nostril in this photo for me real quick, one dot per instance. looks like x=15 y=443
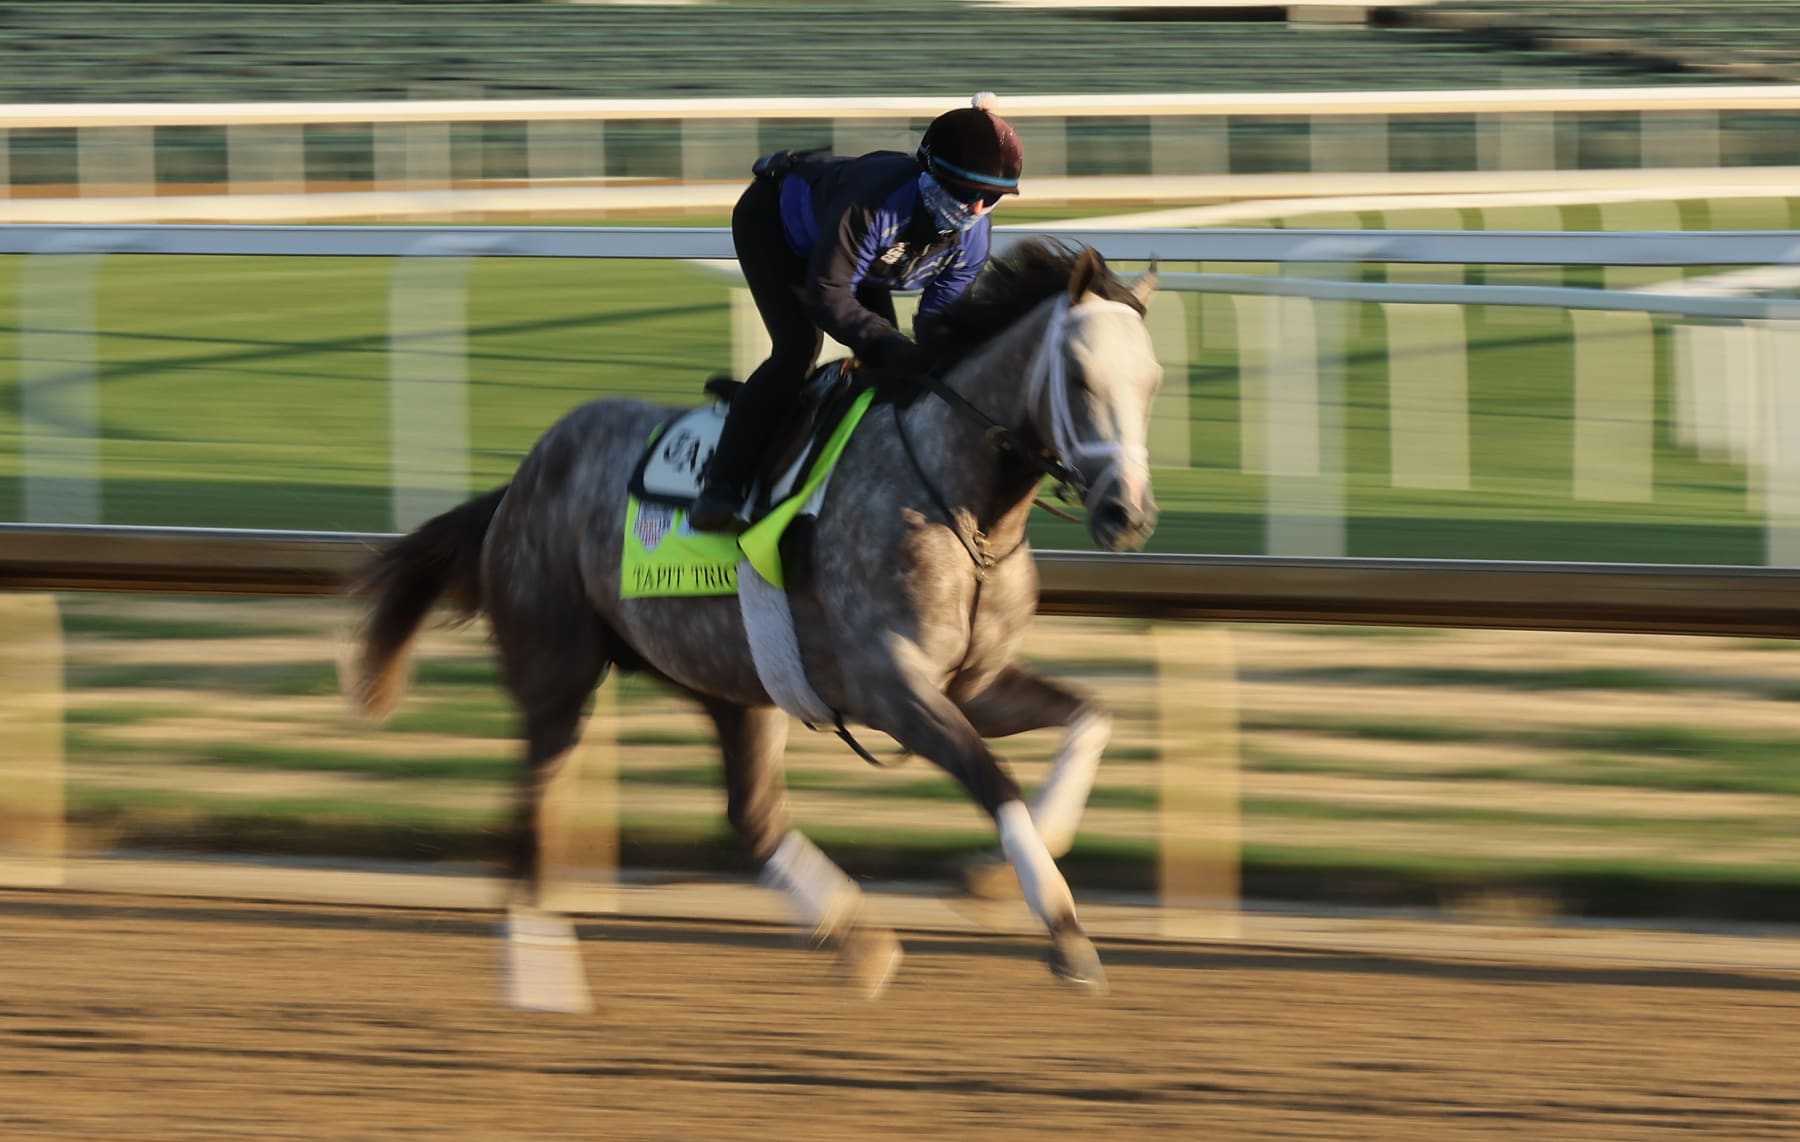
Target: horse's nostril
x=1113 y=516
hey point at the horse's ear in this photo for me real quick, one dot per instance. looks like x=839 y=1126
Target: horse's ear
x=1145 y=285
x=1089 y=269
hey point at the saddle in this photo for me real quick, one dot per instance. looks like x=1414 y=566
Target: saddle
x=663 y=556
x=671 y=469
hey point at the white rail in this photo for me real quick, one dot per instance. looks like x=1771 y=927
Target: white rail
x=1490 y=247
x=1332 y=104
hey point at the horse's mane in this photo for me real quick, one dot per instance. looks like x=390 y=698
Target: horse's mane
x=1010 y=286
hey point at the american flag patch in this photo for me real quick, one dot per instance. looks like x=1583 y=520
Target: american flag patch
x=652 y=524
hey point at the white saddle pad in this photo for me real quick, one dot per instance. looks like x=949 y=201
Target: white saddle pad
x=673 y=466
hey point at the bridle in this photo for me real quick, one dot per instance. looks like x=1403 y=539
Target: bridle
x=1048 y=370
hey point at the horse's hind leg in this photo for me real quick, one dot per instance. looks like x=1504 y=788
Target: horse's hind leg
x=828 y=903
x=552 y=662
x=552 y=680
x=1016 y=701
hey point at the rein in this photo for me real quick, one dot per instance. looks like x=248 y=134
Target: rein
x=1001 y=438
x=977 y=546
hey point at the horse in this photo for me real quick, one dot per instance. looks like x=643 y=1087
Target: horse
x=921 y=592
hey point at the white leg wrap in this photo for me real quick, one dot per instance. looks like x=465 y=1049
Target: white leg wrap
x=543 y=970
x=1059 y=804
x=823 y=896
x=1045 y=889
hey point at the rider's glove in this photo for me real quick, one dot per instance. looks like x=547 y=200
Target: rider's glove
x=900 y=354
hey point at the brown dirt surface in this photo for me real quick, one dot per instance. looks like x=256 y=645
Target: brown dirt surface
x=138 y=1017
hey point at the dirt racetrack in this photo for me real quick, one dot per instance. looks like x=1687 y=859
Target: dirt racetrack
x=126 y=1017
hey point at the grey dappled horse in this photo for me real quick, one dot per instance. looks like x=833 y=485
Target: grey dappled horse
x=901 y=627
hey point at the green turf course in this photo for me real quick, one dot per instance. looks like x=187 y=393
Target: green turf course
x=244 y=392
x=252 y=392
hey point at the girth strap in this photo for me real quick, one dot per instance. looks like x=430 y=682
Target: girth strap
x=775 y=649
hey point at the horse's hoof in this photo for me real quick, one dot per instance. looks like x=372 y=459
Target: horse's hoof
x=1074 y=961
x=990 y=876
x=867 y=959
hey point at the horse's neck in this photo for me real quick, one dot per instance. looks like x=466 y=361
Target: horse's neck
x=952 y=445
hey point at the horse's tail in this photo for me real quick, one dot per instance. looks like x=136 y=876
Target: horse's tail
x=441 y=558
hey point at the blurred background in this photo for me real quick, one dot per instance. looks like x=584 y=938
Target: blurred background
x=1537 y=773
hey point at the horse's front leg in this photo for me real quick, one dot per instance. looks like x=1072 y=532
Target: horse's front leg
x=1017 y=701
x=915 y=713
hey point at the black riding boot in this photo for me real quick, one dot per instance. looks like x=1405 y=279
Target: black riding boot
x=716 y=508
x=727 y=482
x=757 y=412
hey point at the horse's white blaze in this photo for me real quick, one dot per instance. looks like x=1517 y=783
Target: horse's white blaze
x=1127 y=418
x=1057 y=809
x=1045 y=889
x=823 y=895
x=1110 y=345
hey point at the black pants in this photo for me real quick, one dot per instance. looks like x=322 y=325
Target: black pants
x=777 y=278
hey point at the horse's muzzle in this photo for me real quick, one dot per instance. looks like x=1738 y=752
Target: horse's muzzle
x=1117 y=525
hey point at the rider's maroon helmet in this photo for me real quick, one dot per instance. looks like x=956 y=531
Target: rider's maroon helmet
x=971 y=149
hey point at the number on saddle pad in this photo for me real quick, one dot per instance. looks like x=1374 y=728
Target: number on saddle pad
x=670 y=470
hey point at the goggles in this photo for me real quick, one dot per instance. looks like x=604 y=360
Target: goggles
x=969 y=195
x=954 y=179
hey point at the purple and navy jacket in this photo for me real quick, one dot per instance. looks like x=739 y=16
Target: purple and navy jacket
x=860 y=225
